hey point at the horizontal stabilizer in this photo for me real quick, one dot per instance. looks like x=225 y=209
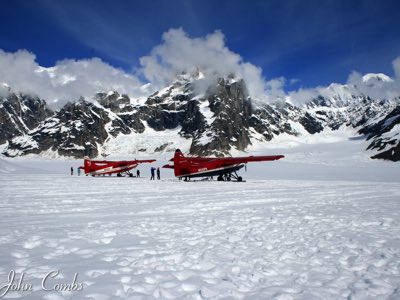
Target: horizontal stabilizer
x=146 y=161
x=168 y=166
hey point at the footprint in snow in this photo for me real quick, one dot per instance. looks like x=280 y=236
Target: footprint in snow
x=32 y=242
x=95 y=273
x=20 y=254
x=109 y=233
x=109 y=258
x=188 y=287
x=106 y=240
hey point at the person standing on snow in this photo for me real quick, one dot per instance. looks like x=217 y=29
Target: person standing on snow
x=72 y=171
x=79 y=171
x=158 y=173
x=137 y=173
x=152 y=173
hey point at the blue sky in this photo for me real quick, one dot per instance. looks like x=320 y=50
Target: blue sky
x=315 y=42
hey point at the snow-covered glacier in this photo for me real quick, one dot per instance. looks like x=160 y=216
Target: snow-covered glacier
x=321 y=224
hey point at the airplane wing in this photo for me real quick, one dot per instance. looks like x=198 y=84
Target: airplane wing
x=124 y=162
x=246 y=159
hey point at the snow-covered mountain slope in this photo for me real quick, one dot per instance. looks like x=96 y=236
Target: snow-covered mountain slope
x=219 y=121
x=373 y=79
x=76 y=130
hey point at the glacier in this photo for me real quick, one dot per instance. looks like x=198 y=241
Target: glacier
x=323 y=223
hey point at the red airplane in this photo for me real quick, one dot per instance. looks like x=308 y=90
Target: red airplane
x=102 y=167
x=225 y=168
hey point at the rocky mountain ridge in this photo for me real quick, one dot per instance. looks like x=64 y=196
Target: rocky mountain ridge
x=214 y=123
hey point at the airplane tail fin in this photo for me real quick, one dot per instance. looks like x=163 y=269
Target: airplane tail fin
x=178 y=156
x=179 y=162
x=86 y=164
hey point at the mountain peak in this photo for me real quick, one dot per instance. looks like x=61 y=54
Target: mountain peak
x=191 y=76
x=5 y=88
x=371 y=78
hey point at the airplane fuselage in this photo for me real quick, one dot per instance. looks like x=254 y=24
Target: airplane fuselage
x=105 y=167
x=225 y=168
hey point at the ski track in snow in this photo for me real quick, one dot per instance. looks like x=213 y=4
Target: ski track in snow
x=131 y=238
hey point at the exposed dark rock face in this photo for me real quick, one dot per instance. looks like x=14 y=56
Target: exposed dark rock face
x=386 y=142
x=19 y=114
x=168 y=109
x=269 y=121
x=392 y=154
x=228 y=110
x=113 y=101
x=122 y=111
x=161 y=119
x=311 y=124
x=193 y=121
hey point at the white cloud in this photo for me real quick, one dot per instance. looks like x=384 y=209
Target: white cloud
x=70 y=79
x=67 y=80
x=180 y=53
x=274 y=90
x=396 y=68
x=302 y=95
x=374 y=85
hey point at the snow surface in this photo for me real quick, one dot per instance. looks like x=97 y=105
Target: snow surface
x=323 y=223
